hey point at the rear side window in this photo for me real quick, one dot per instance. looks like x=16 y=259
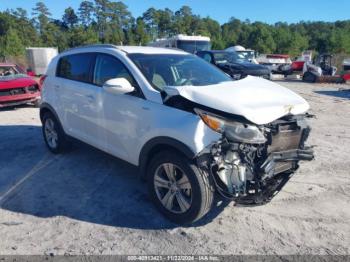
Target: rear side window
x=76 y=67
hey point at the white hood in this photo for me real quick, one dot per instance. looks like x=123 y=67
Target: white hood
x=258 y=100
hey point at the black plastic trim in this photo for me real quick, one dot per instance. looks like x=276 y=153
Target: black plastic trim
x=161 y=141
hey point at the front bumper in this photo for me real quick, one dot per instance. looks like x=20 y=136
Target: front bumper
x=18 y=96
x=253 y=173
x=19 y=102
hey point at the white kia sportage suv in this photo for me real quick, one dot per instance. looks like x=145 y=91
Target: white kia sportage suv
x=190 y=128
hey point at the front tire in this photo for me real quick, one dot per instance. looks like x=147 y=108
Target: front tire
x=54 y=136
x=180 y=191
x=309 y=77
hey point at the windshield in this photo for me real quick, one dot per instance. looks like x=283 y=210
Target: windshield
x=177 y=70
x=193 y=46
x=227 y=57
x=247 y=55
x=10 y=72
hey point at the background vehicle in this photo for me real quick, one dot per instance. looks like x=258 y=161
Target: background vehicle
x=39 y=58
x=247 y=54
x=190 y=44
x=346 y=68
x=190 y=128
x=322 y=70
x=232 y=64
x=16 y=87
x=278 y=64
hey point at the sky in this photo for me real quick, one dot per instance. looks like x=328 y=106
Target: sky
x=269 y=11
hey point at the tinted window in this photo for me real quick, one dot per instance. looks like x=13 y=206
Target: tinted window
x=108 y=67
x=76 y=67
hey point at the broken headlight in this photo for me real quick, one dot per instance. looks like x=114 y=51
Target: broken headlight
x=233 y=131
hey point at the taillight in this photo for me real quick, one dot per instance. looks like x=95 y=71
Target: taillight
x=41 y=80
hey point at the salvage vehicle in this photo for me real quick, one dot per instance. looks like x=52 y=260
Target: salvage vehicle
x=190 y=128
x=277 y=63
x=232 y=64
x=16 y=87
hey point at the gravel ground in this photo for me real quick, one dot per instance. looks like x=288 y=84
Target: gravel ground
x=87 y=202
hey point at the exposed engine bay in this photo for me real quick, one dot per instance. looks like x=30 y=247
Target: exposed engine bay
x=253 y=173
x=262 y=135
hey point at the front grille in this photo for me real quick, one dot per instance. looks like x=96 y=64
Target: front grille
x=19 y=91
x=12 y=92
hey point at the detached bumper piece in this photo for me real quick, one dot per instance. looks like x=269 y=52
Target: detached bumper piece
x=279 y=162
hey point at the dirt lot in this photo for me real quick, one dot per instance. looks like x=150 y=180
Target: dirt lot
x=87 y=202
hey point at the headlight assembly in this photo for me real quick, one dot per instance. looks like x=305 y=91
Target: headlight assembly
x=233 y=131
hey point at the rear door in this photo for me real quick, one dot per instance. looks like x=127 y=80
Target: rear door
x=80 y=98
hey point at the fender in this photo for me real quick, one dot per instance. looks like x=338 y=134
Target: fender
x=158 y=143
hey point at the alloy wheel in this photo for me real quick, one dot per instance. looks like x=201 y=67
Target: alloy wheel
x=51 y=133
x=173 y=188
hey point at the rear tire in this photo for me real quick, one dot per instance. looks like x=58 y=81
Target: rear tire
x=54 y=136
x=185 y=195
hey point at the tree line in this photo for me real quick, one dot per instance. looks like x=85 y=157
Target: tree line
x=105 y=21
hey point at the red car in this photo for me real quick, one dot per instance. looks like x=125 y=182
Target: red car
x=16 y=87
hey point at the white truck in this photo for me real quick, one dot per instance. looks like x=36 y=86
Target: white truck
x=39 y=58
x=190 y=44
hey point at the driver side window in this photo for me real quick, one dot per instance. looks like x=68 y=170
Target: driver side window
x=107 y=67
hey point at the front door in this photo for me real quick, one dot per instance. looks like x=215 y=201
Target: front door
x=121 y=114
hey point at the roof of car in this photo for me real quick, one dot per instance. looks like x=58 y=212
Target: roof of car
x=132 y=49
x=149 y=50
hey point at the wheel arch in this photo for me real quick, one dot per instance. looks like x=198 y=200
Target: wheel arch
x=158 y=144
x=46 y=108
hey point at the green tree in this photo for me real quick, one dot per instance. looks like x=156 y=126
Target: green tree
x=69 y=18
x=11 y=44
x=86 y=12
x=41 y=15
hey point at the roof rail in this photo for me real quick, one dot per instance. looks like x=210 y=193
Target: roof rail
x=92 y=45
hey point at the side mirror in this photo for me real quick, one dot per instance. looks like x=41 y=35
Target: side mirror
x=118 y=86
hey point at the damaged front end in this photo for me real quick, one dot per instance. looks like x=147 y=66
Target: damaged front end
x=250 y=164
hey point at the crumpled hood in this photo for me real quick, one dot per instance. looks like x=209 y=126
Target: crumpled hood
x=258 y=100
